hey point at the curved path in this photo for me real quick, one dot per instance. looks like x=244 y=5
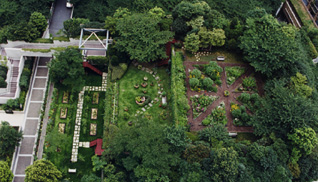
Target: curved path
x=196 y=123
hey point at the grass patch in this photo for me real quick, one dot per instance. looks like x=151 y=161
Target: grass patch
x=127 y=95
x=43 y=40
x=37 y=50
x=230 y=57
x=62 y=39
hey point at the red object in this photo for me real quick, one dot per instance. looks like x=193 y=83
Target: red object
x=98 y=142
x=96 y=70
x=168 y=53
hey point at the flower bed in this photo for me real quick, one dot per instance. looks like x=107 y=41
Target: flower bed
x=95 y=98
x=232 y=73
x=63 y=113
x=94 y=113
x=65 y=97
x=93 y=129
x=61 y=127
x=218 y=115
x=240 y=116
x=200 y=103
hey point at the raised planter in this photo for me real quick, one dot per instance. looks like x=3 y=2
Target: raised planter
x=65 y=97
x=93 y=129
x=95 y=98
x=63 y=113
x=61 y=127
x=94 y=113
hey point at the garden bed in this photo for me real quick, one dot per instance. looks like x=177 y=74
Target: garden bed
x=200 y=103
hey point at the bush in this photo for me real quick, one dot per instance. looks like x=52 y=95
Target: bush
x=196 y=73
x=118 y=71
x=244 y=97
x=206 y=122
x=207 y=83
x=12 y=104
x=4 y=68
x=194 y=82
x=43 y=40
x=97 y=60
x=3 y=83
x=3 y=74
x=114 y=61
x=249 y=83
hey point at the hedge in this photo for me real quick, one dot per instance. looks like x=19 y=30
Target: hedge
x=97 y=60
x=179 y=99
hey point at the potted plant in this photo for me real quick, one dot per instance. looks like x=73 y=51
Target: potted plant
x=136 y=85
x=164 y=94
x=125 y=109
x=226 y=93
x=151 y=84
x=144 y=84
x=145 y=78
x=164 y=105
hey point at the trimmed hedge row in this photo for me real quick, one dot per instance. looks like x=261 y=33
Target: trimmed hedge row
x=3 y=76
x=179 y=99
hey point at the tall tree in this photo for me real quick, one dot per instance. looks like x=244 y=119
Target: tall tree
x=42 y=171
x=5 y=173
x=268 y=46
x=141 y=37
x=9 y=139
x=66 y=69
x=143 y=151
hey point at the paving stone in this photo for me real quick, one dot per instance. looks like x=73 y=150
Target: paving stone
x=150 y=105
x=34 y=110
x=27 y=145
x=39 y=83
x=30 y=127
x=23 y=162
x=42 y=72
x=143 y=109
x=37 y=95
x=18 y=179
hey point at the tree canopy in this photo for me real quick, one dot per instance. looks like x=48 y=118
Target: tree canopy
x=66 y=69
x=42 y=171
x=9 y=139
x=141 y=37
x=268 y=45
x=5 y=173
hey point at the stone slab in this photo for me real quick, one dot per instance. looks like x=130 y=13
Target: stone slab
x=23 y=162
x=42 y=72
x=18 y=179
x=30 y=127
x=37 y=95
x=39 y=83
x=34 y=110
x=27 y=145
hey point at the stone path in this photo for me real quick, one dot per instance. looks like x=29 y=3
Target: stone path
x=24 y=155
x=76 y=142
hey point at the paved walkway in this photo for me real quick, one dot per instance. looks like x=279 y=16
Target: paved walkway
x=24 y=155
x=60 y=14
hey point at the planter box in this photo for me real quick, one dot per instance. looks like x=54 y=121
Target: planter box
x=93 y=129
x=94 y=113
x=62 y=127
x=63 y=113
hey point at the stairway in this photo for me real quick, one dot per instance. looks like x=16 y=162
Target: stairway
x=96 y=70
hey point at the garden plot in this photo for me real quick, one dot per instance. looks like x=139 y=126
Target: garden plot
x=143 y=92
x=225 y=108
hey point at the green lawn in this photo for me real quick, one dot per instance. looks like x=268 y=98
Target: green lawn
x=61 y=158
x=127 y=95
x=230 y=57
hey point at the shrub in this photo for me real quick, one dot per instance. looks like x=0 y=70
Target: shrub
x=194 y=82
x=97 y=60
x=12 y=104
x=244 y=97
x=3 y=74
x=196 y=73
x=249 y=83
x=206 y=122
x=207 y=83
x=114 y=61
x=4 y=68
x=3 y=83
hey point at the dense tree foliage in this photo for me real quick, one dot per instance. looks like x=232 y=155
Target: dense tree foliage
x=142 y=38
x=5 y=173
x=9 y=139
x=66 y=69
x=268 y=45
x=42 y=171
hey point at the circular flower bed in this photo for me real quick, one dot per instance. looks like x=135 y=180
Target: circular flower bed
x=226 y=93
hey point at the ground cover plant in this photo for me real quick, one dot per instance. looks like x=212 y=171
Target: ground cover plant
x=232 y=73
x=217 y=116
x=240 y=115
x=139 y=89
x=200 y=103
